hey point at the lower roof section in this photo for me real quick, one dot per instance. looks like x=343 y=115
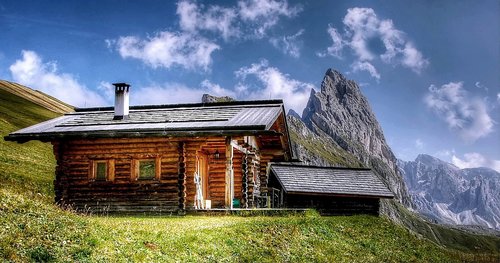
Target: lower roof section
x=335 y=181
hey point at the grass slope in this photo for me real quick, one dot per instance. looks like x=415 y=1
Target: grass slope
x=34 y=229
x=35 y=96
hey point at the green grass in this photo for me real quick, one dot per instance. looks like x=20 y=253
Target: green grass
x=34 y=229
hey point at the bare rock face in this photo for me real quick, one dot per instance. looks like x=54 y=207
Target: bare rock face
x=313 y=149
x=207 y=98
x=341 y=112
x=450 y=195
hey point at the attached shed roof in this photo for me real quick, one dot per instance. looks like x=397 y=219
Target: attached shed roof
x=243 y=117
x=302 y=179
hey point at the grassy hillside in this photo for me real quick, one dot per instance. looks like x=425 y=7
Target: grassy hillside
x=34 y=229
x=37 y=97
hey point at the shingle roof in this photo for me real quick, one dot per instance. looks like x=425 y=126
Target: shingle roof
x=164 y=120
x=301 y=179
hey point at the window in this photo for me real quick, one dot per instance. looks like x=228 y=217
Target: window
x=102 y=170
x=147 y=169
x=101 y=173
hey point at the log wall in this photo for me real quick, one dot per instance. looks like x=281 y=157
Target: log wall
x=75 y=187
x=174 y=187
x=334 y=205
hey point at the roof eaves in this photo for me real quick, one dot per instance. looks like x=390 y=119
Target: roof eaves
x=391 y=196
x=46 y=137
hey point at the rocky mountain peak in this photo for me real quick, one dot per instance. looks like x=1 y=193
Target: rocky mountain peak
x=207 y=98
x=449 y=194
x=342 y=112
x=342 y=85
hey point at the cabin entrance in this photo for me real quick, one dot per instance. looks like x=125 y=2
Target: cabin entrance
x=202 y=200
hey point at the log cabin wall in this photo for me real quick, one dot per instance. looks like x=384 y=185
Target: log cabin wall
x=173 y=189
x=122 y=192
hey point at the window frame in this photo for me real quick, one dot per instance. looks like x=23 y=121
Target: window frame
x=136 y=164
x=110 y=170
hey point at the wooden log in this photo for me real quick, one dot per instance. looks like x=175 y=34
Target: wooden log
x=182 y=176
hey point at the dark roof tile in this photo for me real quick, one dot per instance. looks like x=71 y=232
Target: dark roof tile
x=296 y=178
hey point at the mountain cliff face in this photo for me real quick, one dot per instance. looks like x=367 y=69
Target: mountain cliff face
x=341 y=114
x=451 y=195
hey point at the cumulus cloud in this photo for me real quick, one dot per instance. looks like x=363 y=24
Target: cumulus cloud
x=469 y=116
x=31 y=71
x=265 y=13
x=216 y=89
x=167 y=49
x=445 y=154
x=362 y=27
x=289 y=45
x=247 y=18
x=365 y=66
x=187 y=48
x=473 y=160
x=168 y=93
x=335 y=50
x=171 y=93
x=276 y=85
x=194 y=17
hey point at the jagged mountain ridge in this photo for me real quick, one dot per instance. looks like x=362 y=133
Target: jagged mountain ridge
x=451 y=195
x=340 y=112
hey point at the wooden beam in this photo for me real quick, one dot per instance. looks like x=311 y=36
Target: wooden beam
x=229 y=174
x=182 y=176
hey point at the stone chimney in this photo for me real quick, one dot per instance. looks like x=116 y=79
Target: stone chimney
x=121 y=101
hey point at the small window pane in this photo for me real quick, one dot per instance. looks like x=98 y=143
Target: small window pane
x=100 y=171
x=147 y=169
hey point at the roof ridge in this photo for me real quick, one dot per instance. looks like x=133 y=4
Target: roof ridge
x=184 y=105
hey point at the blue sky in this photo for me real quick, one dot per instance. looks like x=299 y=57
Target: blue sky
x=430 y=69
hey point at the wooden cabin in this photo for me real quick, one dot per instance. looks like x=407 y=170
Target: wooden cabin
x=330 y=190
x=168 y=158
x=147 y=158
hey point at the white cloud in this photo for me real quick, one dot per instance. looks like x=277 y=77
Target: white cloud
x=365 y=66
x=469 y=116
x=167 y=49
x=498 y=97
x=473 y=160
x=265 y=13
x=107 y=88
x=172 y=93
x=276 y=85
x=289 y=45
x=362 y=27
x=249 y=18
x=169 y=93
x=335 y=50
x=215 y=18
x=31 y=71
x=419 y=144
x=445 y=154
x=481 y=86
x=216 y=89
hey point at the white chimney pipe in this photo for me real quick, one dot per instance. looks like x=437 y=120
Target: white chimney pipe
x=121 y=101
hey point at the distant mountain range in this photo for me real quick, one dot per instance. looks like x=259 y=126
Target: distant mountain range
x=451 y=195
